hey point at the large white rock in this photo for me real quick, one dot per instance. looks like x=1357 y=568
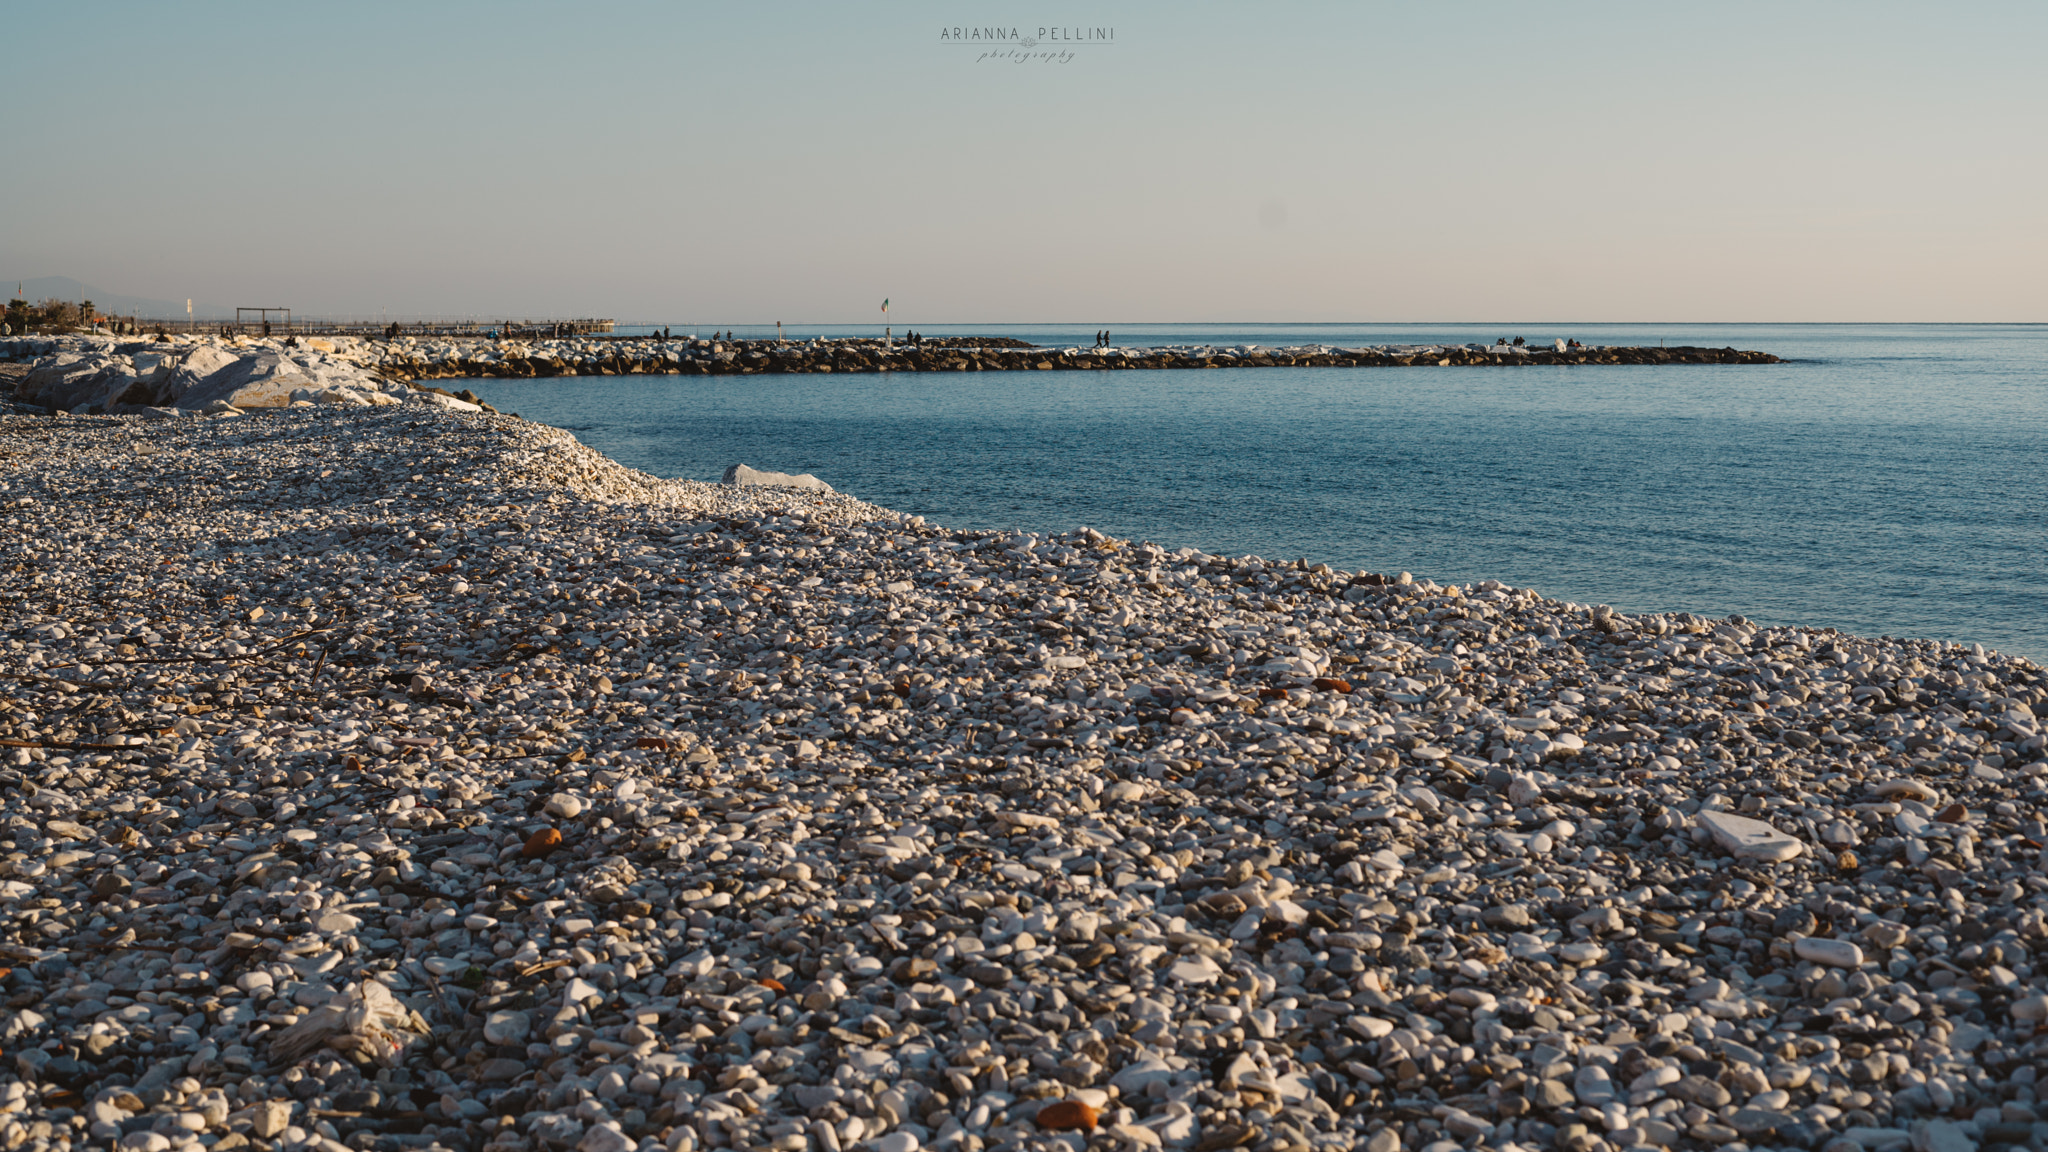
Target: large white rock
x=359 y=397
x=263 y=379
x=1749 y=839
x=71 y=382
x=439 y=401
x=745 y=477
x=155 y=364
x=199 y=367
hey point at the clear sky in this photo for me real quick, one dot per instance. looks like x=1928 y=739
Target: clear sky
x=744 y=163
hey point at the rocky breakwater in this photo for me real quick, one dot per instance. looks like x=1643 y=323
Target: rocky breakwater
x=432 y=359
x=100 y=375
x=443 y=784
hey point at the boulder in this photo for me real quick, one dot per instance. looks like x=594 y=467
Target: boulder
x=199 y=366
x=742 y=476
x=154 y=367
x=264 y=379
x=358 y=397
x=331 y=372
x=71 y=383
x=442 y=400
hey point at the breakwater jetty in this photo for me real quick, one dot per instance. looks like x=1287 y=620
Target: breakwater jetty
x=407 y=358
x=442 y=359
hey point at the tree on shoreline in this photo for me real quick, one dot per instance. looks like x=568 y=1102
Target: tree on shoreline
x=52 y=315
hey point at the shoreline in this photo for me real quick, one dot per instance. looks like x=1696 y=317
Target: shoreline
x=892 y=836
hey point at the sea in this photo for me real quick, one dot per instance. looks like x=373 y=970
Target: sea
x=1885 y=480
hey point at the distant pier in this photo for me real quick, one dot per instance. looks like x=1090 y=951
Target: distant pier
x=650 y=356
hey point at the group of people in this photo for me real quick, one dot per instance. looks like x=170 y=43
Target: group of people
x=1102 y=338
x=1503 y=342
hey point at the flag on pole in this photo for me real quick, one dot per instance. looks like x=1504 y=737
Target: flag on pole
x=885 y=303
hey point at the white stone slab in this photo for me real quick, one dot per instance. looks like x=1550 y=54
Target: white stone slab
x=1749 y=839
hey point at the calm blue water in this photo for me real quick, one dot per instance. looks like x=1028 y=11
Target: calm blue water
x=1887 y=481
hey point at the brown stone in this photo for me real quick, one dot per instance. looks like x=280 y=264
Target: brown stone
x=1068 y=1114
x=541 y=843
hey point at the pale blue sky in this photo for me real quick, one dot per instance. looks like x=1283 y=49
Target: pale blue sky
x=747 y=163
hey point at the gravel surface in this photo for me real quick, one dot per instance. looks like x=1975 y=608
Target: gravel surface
x=402 y=777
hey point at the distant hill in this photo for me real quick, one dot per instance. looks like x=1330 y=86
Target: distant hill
x=65 y=288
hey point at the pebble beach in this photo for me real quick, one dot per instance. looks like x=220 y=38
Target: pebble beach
x=388 y=773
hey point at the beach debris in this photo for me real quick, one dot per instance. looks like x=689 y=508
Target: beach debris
x=366 y=1021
